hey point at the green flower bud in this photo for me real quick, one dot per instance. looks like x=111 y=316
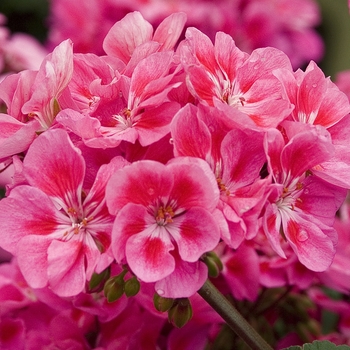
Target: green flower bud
x=213 y=263
x=131 y=287
x=180 y=313
x=98 y=280
x=114 y=288
x=162 y=304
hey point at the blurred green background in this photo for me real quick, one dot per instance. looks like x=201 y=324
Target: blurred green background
x=30 y=16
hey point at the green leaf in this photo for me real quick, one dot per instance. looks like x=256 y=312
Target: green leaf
x=319 y=345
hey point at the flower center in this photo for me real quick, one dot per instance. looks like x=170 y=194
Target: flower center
x=123 y=119
x=78 y=223
x=290 y=198
x=164 y=215
x=222 y=187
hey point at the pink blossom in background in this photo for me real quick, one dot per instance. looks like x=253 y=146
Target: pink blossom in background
x=288 y=26
x=343 y=82
x=18 y=51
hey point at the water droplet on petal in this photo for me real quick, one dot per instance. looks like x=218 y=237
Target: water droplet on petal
x=160 y=291
x=302 y=236
x=171 y=141
x=314 y=85
x=306 y=191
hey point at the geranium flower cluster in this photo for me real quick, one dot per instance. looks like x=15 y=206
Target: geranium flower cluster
x=144 y=166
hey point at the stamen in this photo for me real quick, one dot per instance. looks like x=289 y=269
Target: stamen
x=165 y=215
x=222 y=187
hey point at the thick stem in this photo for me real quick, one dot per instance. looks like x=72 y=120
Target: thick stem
x=232 y=317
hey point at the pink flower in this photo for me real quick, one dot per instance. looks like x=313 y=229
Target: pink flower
x=129 y=109
x=164 y=222
x=316 y=99
x=221 y=74
x=236 y=158
x=17 y=132
x=56 y=229
x=53 y=77
x=130 y=33
x=301 y=207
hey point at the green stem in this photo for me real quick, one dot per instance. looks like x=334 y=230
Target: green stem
x=232 y=317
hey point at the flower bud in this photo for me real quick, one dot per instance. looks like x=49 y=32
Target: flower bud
x=132 y=287
x=213 y=263
x=98 y=280
x=114 y=288
x=180 y=313
x=162 y=304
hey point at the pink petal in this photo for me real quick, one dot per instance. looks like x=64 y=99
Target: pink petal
x=142 y=51
x=147 y=254
x=271 y=224
x=195 y=232
x=130 y=32
x=242 y=272
x=66 y=267
x=169 y=30
x=228 y=55
x=260 y=65
x=329 y=112
x=187 y=190
x=32 y=259
x=320 y=199
x=305 y=150
x=274 y=145
x=82 y=125
x=98 y=189
x=202 y=48
x=313 y=247
x=15 y=137
x=310 y=94
x=131 y=220
x=201 y=85
x=53 y=77
x=15 y=90
x=185 y=280
x=154 y=123
x=148 y=70
x=13 y=333
x=243 y=161
x=27 y=211
x=140 y=183
x=336 y=170
x=194 y=141
x=64 y=169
